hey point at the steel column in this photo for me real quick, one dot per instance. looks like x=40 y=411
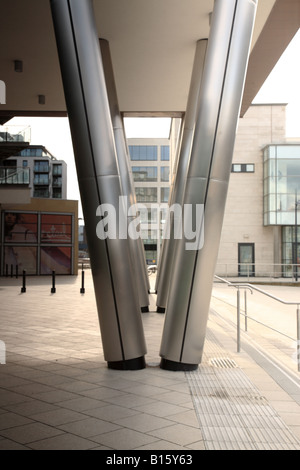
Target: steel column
x=207 y=182
x=128 y=192
x=99 y=181
x=179 y=181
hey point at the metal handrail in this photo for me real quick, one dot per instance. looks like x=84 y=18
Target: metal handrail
x=252 y=288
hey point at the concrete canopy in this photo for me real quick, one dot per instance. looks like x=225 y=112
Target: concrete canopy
x=152 y=45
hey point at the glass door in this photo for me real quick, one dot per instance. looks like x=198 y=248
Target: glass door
x=246 y=260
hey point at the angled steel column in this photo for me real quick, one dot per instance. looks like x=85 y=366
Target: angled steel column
x=99 y=181
x=207 y=182
x=179 y=181
x=137 y=252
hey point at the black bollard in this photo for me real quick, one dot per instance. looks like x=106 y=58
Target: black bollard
x=11 y=270
x=53 y=289
x=6 y=270
x=82 y=290
x=17 y=271
x=23 y=289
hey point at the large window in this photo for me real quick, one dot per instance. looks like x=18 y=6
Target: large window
x=37 y=243
x=144 y=173
x=281 y=183
x=143 y=152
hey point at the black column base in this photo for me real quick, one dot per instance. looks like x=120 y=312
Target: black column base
x=160 y=310
x=132 y=364
x=177 y=366
x=145 y=309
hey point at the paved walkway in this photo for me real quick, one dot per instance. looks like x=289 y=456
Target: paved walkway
x=57 y=393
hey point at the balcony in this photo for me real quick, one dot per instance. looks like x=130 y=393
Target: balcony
x=14 y=176
x=13 y=139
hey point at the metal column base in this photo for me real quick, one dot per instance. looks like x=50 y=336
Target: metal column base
x=160 y=310
x=132 y=364
x=177 y=366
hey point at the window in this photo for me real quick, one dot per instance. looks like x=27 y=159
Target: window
x=148 y=216
x=164 y=174
x=165 y=153
x=41 y=166
x=56 y=229
x=243 y=168
x=57 y=181
x=57 y=194
x=57 y=170
x=32 y=152
x=164 y=194
x=146 y=194
x=41 y=179
x=246 y=257
x=143 y=152
x=41 y=193
x=144 y=173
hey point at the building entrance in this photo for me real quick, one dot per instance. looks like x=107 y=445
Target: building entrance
x=246 y=259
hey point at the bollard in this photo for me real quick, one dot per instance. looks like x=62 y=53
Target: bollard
x=11 y=270
x=53 y=289
x=6 y=270
x=17 y=271
x=23 y=289
x=82 y=290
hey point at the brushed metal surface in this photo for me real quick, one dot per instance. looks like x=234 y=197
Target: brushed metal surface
x=98 y=176
x=208 y=175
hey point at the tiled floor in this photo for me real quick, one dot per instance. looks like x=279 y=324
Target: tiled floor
x=57 y=393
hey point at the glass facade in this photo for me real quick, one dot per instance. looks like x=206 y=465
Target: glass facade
x=143 y=152
x=281 y=183
x=152 y=188
x=290 y=250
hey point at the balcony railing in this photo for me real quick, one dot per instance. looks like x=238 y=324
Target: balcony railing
x=15 y=134
x=9 y=175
